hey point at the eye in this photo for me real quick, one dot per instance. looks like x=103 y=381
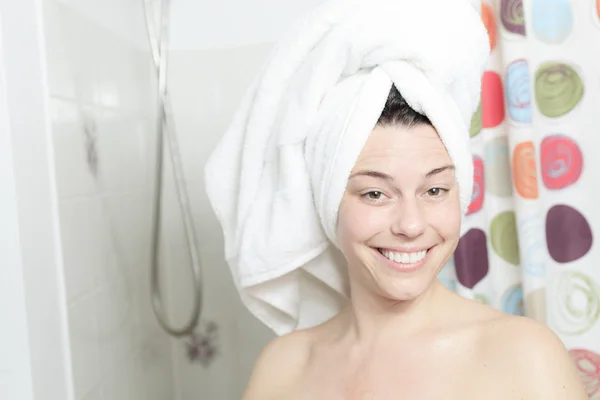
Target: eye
x=375 y=195
x=436 y=192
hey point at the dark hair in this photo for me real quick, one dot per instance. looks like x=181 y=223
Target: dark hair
x=397 y=112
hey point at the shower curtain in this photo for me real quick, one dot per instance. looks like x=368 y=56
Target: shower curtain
x=529 y=244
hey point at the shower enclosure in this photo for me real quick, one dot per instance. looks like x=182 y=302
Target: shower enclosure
x=80 y=98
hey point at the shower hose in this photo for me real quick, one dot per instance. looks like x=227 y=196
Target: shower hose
x=157 y=29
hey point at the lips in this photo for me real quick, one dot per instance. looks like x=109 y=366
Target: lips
x=407 y=261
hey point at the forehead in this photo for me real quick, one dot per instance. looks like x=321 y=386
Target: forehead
x=419 y=144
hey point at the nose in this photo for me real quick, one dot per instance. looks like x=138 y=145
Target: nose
x=408 y=219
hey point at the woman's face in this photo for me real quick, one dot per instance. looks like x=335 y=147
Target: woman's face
x=399 y=219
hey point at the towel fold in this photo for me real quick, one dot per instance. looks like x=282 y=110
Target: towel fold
x=276 y=178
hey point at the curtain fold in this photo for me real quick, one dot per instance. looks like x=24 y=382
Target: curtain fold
x=530 y=248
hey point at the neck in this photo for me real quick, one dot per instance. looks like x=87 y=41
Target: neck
x=371 y=318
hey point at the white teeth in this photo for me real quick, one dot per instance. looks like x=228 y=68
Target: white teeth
x=404 y=258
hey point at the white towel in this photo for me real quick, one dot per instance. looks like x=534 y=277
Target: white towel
x=277 y=176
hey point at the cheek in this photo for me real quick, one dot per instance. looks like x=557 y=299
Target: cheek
x=446 y=220
x=358 y=223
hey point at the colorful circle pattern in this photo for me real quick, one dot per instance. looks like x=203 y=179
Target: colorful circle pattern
x=512 y=16
x=478 y=186
x=587 y=363
x=497 y=167
x=512 y=301
x=577 y=303
x=524 y=170
x=503 y=232
x=562 y=161
x=558 y=89
x=487 y=15
x=471 y=258
x=518 y=96
x=552 y=20
x=476 y=122
x=492 y=100
x=568 y=234
x=540 y=240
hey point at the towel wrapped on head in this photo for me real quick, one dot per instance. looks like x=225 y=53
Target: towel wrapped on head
x=276 y=178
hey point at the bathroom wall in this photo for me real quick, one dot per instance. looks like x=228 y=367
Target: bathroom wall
x=101 y=105
x=216 y=50
x=15 y=368
x=34 y=351
x=83 y=169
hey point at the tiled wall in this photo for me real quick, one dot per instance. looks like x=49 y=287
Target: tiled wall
x=102 y=112
x=101 y=104
x=15 y=374
x=215 y=56
x=34 y=350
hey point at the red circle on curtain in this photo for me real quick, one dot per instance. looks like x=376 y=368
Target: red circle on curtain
x=588 y=366
x=492 y=100
x=478 y=186
x=562 y=161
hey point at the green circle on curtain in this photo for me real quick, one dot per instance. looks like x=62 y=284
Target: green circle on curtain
x=558 y=89
x=576 y=299
x=503 y=235
x=498 y=179
x=476 y=122
x=481 y=298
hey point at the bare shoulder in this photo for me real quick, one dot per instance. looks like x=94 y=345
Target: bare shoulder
x=534 y=358
x=279 y=365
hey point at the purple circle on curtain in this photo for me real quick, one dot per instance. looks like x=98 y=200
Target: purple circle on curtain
x=471 y=258
x=568 y=234
x=511 y=14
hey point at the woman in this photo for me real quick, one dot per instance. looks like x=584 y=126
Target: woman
x=403 y=335
x=340 y=188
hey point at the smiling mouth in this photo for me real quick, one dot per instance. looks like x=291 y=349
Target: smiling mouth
x=403 y=258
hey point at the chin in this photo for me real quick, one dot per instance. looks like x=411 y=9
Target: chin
x=404 y=289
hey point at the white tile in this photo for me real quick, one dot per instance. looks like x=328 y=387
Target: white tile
x=156 y=371
x=125 y=19
x=115 y=258
x=7 y=384
x=80 y=231
x=122 y=141
x=83 y=331
x=116 y=324
x=126 y=232
x=125 y=382
x=75 y=150
x=94 y=394
x=61 y=80
x=108 y=69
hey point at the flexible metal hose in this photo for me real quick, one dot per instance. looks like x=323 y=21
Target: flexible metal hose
x=165 y=131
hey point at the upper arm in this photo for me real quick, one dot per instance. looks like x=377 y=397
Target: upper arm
x=277 y=368
x=544 y=367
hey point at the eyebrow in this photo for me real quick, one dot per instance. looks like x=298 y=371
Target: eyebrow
x=373 y=174
x=439 y=170
x=386 y=177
